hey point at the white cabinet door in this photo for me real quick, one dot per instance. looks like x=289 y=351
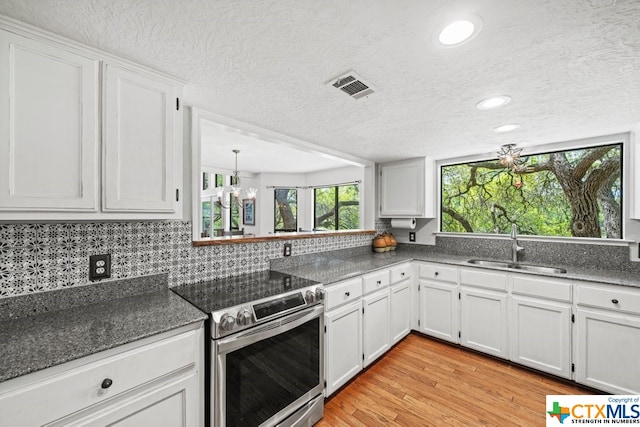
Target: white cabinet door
x=139 y=143
x=400 y=310
x=540 y=335
x=174 y=403
x=483 y=321
x=159 y=377
x=343 y=345
x=607 y=349
x=439 y=311
x=375 y=333
x=48 y=127
x=407 y=188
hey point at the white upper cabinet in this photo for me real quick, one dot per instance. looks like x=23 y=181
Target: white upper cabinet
x=51 y=151
x=49 y=127
x=407 y=188
x=139 y=141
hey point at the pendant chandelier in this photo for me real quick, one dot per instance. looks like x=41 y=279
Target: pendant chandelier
x=509 y=157
x=235 y=190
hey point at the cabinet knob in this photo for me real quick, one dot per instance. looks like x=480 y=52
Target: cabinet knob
x=379 y=282
x=615 y=301
x=402 y=274
x=347 y=293
x=436 y=273
x=106 y=383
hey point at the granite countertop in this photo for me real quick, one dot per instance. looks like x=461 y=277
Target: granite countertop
x=328 y=271
x=54 y=334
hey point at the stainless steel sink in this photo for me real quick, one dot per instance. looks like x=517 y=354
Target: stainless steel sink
x=539 y=268
x=517 y=266
x=489 y=263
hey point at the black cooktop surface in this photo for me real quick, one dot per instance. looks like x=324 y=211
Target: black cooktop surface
x=219 y=294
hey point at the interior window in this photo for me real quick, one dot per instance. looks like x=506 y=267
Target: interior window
x=573 y=193
x=337 y=208
x=286 y=209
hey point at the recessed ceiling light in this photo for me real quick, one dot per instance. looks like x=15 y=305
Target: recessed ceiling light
x=460 y=31
x=493 y=102
x=506 y=128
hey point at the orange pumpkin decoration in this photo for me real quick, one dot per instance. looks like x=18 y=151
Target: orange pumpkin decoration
x=379 y=244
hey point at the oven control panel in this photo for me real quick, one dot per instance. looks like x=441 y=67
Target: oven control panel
x=234 y=319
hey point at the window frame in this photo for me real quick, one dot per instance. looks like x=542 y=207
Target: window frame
x=275 y=208
x=623 y=140
x=336 y=210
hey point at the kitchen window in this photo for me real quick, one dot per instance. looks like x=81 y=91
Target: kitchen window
x=570 y=193
x=286 y=209
x=337 y=207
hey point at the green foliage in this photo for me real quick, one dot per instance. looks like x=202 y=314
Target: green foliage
x=483 y=197
x=337 y=208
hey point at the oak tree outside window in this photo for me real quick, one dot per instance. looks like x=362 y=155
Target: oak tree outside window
x=336 y=208
x=286 y=209
x=573 y=193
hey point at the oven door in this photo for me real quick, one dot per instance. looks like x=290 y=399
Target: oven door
x=264 y=374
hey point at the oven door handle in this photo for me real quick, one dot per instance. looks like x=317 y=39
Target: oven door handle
x=268 y=330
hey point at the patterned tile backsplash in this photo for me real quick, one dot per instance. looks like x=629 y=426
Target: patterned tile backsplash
x=41 y=257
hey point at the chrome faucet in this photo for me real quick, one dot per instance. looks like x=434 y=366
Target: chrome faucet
x=515 y=247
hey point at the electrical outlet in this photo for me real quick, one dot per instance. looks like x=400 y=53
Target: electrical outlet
x=287 y=249
x=412 y=236
x=99 y=266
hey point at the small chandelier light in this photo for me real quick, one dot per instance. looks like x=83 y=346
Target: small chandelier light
x=234 y=189
x=509 y=157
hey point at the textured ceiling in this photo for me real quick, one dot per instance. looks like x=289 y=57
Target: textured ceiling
x=570 y=66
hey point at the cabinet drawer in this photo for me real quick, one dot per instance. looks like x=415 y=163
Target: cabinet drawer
x=374 y=281
x=542 y=287
x=615 y=298
x=341 y=293
x=439 y=272
x=71 y=390
x=483 y=279
x=400 y=272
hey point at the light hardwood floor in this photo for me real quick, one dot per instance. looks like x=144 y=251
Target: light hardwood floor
x=424 y=382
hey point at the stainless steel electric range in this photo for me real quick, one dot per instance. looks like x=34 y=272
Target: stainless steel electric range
x=266 y=349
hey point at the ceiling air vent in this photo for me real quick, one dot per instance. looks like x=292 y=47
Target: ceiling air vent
x=352 y=84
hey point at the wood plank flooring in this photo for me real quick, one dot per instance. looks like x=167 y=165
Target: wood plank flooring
x=424 y=382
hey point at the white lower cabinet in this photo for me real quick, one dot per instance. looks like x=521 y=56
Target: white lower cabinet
x=438 y=300
x=157 y=381
x=343 y=345
x=375 y=325
x=540 y=324
x=483 y=311
x=400 y=300
x=171 y=405
x=607 y=338
x=483 y=321
x=359 y=316
x=343 y=333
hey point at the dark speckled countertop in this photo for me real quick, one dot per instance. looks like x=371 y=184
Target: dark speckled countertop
x=329 y=270
x=65 y=327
